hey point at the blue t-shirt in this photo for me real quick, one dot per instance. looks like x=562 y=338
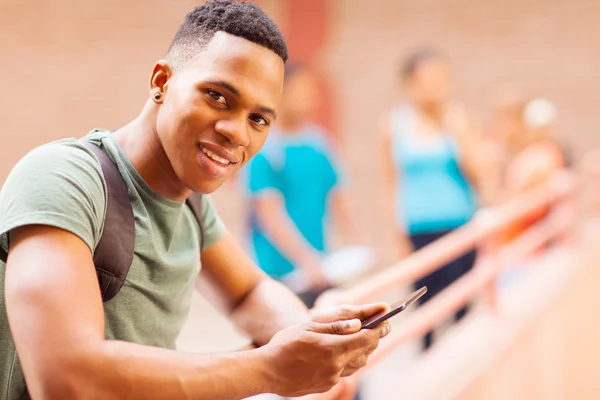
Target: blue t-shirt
x=301 y=168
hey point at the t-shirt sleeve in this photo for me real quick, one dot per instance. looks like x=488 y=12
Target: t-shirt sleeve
x=212 y=225
x=262 y=176
x=58 y=184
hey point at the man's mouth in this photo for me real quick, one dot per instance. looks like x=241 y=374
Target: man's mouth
x=215 y=157
x=215 y=165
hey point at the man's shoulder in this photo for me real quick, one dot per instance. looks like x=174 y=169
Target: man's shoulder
x=68 y=158
x=57 y=184
x=63 y=153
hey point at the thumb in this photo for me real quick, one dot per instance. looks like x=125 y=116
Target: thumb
x=336 y=328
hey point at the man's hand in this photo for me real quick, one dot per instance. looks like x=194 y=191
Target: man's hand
x=347 y=387
x=311 y=358
x=348 y=312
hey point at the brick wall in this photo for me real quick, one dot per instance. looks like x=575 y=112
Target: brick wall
x=68 y=66
x=549 y=46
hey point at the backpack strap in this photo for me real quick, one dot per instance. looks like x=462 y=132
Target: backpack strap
x=195 y=203
x=114 y=252
x=3 y=255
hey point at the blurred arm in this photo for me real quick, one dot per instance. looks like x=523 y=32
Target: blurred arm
x=269 y=209
x=343 y=218
x=473 y=159
x=283 y=233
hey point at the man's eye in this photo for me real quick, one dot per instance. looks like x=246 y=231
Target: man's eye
x=218 y=97
x=259 y=120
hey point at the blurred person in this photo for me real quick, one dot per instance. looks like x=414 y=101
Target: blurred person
x=294 y=184
x=210 y=103
x=536 y=156
x=526 y=130
x=536 y=152
x=433 y=167
x=521 y=125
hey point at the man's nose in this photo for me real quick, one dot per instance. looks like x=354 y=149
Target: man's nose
x=235 y=130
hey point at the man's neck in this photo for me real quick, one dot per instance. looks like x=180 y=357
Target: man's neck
x=141 y=144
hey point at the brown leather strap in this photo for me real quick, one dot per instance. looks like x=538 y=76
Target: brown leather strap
x=195 y=203
x=114 y=252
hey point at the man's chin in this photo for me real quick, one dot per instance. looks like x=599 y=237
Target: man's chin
x=207 y=186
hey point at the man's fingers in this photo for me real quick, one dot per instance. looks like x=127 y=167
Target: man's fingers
x=368 y=310
x=347 y=327
x=384 y=329
x=348 y=311
x=355 y=345
x=358 y=362
x=349 y=371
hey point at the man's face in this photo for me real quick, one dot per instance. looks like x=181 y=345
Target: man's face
x=217 y=110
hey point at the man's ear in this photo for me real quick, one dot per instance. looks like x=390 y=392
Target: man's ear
x=161 y=73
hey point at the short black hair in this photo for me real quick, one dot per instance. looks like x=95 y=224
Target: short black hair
x=416 y=59
x=242 y=19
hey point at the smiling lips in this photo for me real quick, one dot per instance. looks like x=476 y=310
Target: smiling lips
x=216 y=165
x=215 y=157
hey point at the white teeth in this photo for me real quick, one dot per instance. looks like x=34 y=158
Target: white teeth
x=215 y=157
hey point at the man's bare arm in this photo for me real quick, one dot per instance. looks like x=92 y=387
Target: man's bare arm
x=56 y=317
x=257 y=305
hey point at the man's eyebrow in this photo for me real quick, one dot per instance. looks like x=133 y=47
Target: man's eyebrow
x=232 y=89
x=225 y=85
x=268 y=111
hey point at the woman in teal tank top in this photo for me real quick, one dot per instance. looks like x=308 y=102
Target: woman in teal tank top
x=433 y=167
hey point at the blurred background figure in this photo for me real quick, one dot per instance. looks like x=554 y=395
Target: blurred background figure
x=433 y=166
x=295 y=186
x=524 y=132
x=536 y=153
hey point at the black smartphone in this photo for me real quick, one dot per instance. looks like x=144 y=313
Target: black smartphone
x=398 y=307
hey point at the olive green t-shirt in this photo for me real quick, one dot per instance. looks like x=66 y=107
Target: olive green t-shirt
x=61 y=184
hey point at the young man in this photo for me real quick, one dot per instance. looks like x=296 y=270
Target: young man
x=294 y=186
x=211 y=101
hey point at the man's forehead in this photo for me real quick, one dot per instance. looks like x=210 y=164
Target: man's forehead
x=225 y=47
x=246 y=66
